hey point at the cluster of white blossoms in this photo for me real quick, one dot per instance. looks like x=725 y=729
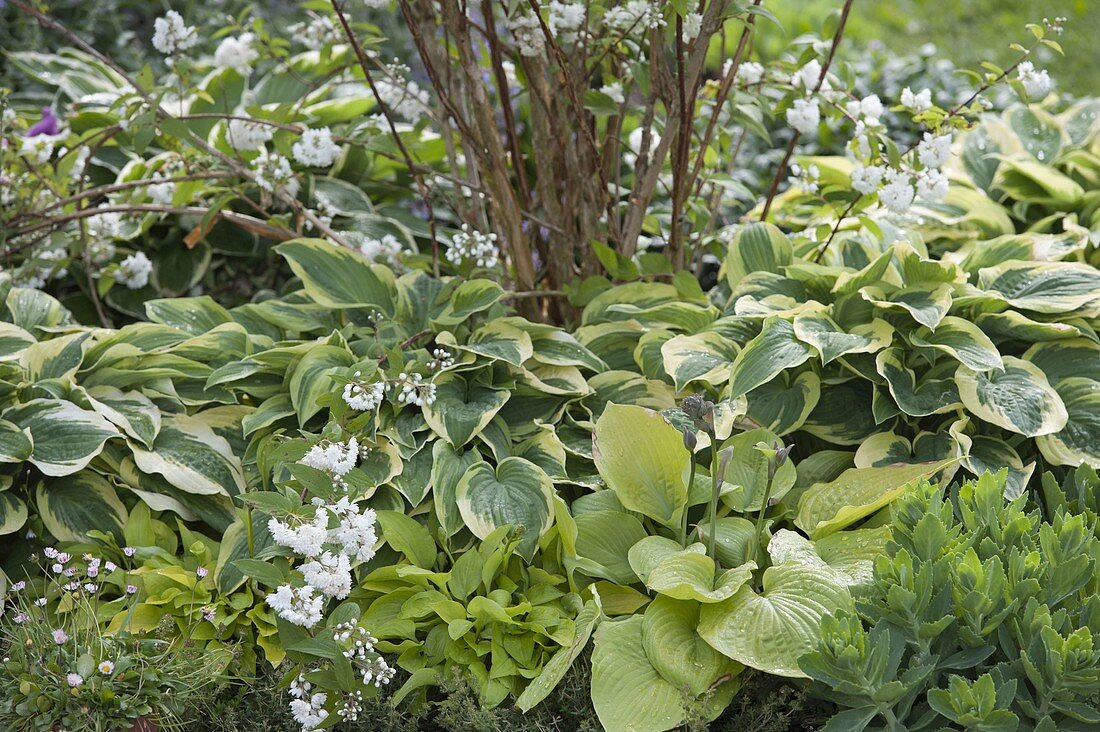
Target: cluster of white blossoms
x=307 y=709
x=414 y=390
x=297 y=605
x=272 y=172
x=364 y=397
x=397 y=93
x=749 y=73
x=320 y=32
x=246 y=136
x=163 y=192
x=566 y=20
x=335 y=458
x=134 y=271
x=386 y=250
x=472 y=245
x=1036 y=82
x=441 y=359
x=316 y=148
x=615 y=91
x=236 y=54
x=691 y=27
x=917 y=102
x=171 y=34
x=635 y=16
x=805 y=178
x=527 y=31
x=804 y=115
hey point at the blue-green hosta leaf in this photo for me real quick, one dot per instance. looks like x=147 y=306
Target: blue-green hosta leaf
x=831 y=341
x=685 y=574
x=191 y=457
x=194 y=315
x=57 y=358
x=930 y=396
x=858 y=492
x=461 y=410
x=13 y=513
x=65 y=437
x=628 y=693
x=1064 y=359
x=131 y=411
x=1019 y=398
x=675 y=649
x=518 y=493
x=783 y=404
x=775 y=349
x=312 y=377
x=15 y=445
x=1079 y=441
x=963 y=340
x=771 y=631
x=642 y=458
x=704 y=356
x=81 y=503
x=759 y=247
x=448 y=467
x=604 y=539
x=927 y=304
x=1043 y=287
x=338 y=278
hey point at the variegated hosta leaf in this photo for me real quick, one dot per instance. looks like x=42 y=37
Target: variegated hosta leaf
x=685 y=574
x=1064 y=359
x=191 y=457
x=963 y=340
x=831 y=341
x=1019 y=398
x=13 y=340
x=31 y=309
x=448 y=467
x=194 y=315
x=131 y=411
x=642 y=458
x=930 y=396
x=640 y=295
x=1026 y=179
x=627 y=387
x=13 y=512
x=1013 y=326
x=927 y=304
x=517 y=493
x=338 y=278
x=1043 y=287
x=771 y=631
x=843 y=413
x=675 y=649
x=759 y=247
x=462 y=409
x=775 y=349
x=703 y=356
x=784 y=403
x=557 y=380
x=80 y=503
x=312 y=377
x=558 y=348
x=989 y=454
x=15 y=445
x=65 y=437
x=499 y=341
x=885 y=448
x=57 y=358
x=1079 y=441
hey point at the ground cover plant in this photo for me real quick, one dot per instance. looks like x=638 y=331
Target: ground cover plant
x=539 y=366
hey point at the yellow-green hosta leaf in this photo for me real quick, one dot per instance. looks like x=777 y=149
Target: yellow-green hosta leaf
x=851 y=554
x=628 y=693
x=554 y=669
x=733 y=540
x=80 y=503
x=831 y=341
x=642 y=459
x=771 y=631
x=1043 y=287
x=461 y=409
x=675 y=649
x=339 y=278
x=604 y=540
x=191 y=457
x=517 y=493
x=15 y=445
x=65 y=437
x=194 y=315
x=766 y=355
x=704 y=356
x=684 y=573
x=783 y=404
x=748 y=472
x=858 y=492
x=930 y=396
x=1079 y=441
x=759 y=247
x=1025 y=179
x=1018 y=398
x=963 y=340
x=13 y=513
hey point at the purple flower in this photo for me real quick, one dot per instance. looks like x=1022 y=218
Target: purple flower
x=48 y=125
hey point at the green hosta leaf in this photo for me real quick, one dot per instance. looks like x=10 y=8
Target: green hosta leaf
x=783 y=404
x=604 y=539
x=13 y=513
x=1026 y=179
x=765 y=356
x=858 y=492
x=1079 y=441
x=338 y=278
x=194 y=315
x=926 y=304
x=704 y=356
x=409 y=537
x=734 y=540
x=759 y=247
x=843 y=414
x=748 y=472
x=13 y=340
x=685 y=574
x=191 y=457
x=131 y=411
x=628 y=693
x=930 y=396
x=677 y=652
x=1043 y=287
x=312 y=378
x=554 y=669
x=65 y=437
x=1013 y=326
x=517 y=493
x=831 y=341
x=770 y=632
x=461 y=409
x=1019 y=398
x=642 y=459
x=15 y=445
x=81 y=503
x=963 y=340
x=31 y=309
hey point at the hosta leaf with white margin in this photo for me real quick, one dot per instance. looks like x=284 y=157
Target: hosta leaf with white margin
x=559 y=380
x=627 y=387
x=65 y=437
x=669 y=569
x=13 y=340
x=930 y=396
x=642 y=459
x=312 y=377
x=498 y=341
x=926 y=304
x=1026 y=179
x=677 y=652
x=558 y=348
x=748 y=471
x=57 y=358
x=703 y=356
x=1079 y=441
x=963 y=340
x=759 y=247
x=462 y=409
x=80 y=503
x=131 y=411
x=470 y=297
x=516 y=493
x=1013 y=326
x=414 y=481
x=382 y=462
x=194 y=315
x=783 y=404
x=31 y=309
x=858 y=492
x=604 y=539
x=1019 y=398
x=885 y=448
x=984 y=454
x=339 y=278
x=15 y=445
x=1064 y=359
x=546 y=450
x=1043 y=287
x=771 y=631
x=775 y=349
x=628 y=693
x=843 y=413
x=158 y=494
x=448 y=467
x=816 y=328
x=191 y=457
x=13 y=512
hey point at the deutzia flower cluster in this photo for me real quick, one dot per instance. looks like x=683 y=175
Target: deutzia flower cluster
x=272 y=171
x=441 y=359
x=237 y=54
x=335 y=458
x=566 y=20
x=615 y=91
x=635 y=16
x=134 y=271
x=386 y=250
x=364 y=397
x=171 y=34
x=398 y=93
x=414 y=390
x=1036 y=82
x=470 y=244
x=248 y=136
x=316 y=148
x=527 y=31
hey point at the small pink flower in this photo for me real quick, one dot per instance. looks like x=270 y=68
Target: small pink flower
x=17 y=586
x=74 y=680
x=110 y=566
x=128 y=551
x=60 y=636
x=201 y=572
x=20 y=618
x=131 y=589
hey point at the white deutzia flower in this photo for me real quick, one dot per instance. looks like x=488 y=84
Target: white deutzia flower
x=330 y=574
x=615 y=91
x=804 y=116
x=414 y=390
x=237 y=54
x=806 y=179
x=404 y=97
x=164 y=192
x=272 y=171
x=470 y=244
x=310 y=714
x=931 y=186
x=386 y=250
x=320 y=32
x=918 y=102
x=871 y=106
x=635 y=16
x=933 y=151
x=247 y=136
x=565 y=20
x=527 y=31
x=749 y=72
x=897 y=194
x=1036 y=82
x=866 y=179
x=806 y=77
x=692 y=25
x=297 y=605
x=377 y=4
x=134 y=271
x=316 y=148
x=441 y=359
x=37 y=149
x=364 y=397
x=333 y=457
x=356 y=534
x=171 y=34
x=307 y=539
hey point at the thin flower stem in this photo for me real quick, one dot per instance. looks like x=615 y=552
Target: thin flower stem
x=687 y=505
x=713 y=509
